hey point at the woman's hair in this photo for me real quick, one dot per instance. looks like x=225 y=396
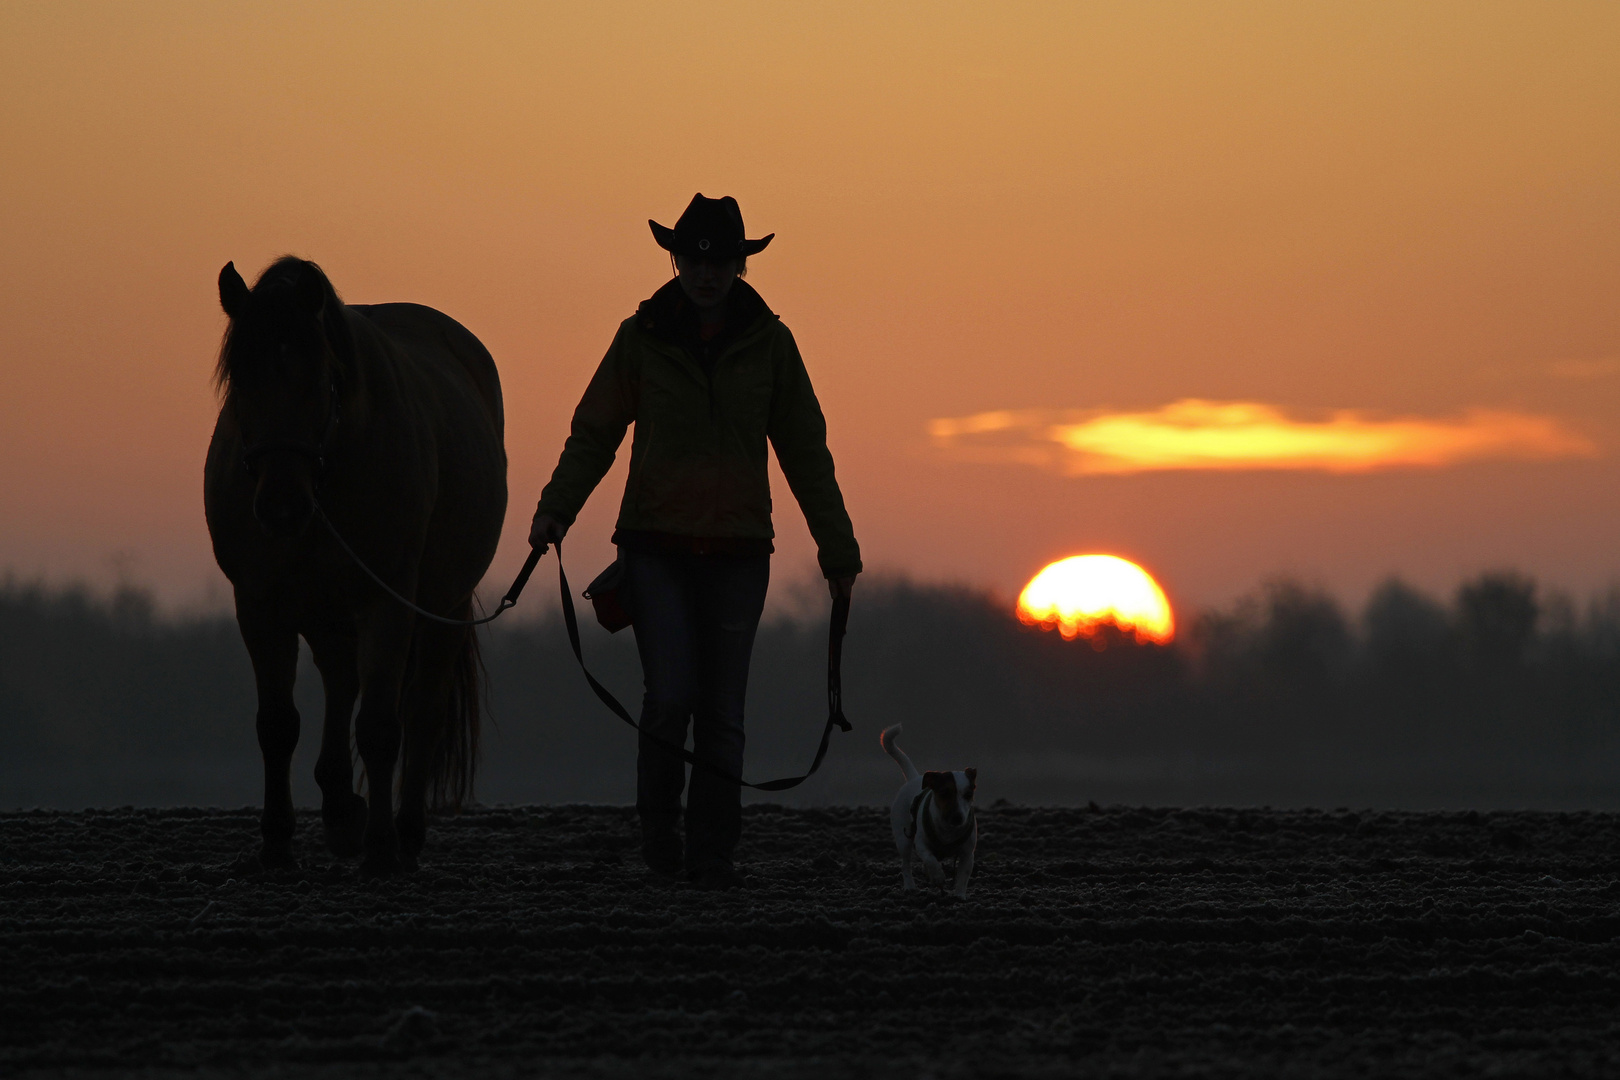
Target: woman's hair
x=742 y=265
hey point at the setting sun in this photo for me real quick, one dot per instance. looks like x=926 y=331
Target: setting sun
x=1078 y=595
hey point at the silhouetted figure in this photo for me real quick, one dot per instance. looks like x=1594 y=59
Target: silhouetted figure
x=707 y=373
x=391 y=414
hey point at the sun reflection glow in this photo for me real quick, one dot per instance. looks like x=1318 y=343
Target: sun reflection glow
x=1079 y=595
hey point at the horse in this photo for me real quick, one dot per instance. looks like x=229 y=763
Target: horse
x=378 y=426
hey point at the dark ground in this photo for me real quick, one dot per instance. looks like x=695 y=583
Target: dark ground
x=1119 y=942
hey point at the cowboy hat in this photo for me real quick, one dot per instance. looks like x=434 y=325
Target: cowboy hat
x=709 y=229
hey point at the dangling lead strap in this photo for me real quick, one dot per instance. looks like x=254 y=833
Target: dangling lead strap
x=835 y=691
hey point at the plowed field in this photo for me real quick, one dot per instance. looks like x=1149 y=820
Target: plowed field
x=1117 y=942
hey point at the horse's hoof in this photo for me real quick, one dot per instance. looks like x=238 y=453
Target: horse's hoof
x=345 y=842
x=345 y=825
x=380 y=866
x=411 y=827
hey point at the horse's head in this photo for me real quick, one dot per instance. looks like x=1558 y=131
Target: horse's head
x=281 y=369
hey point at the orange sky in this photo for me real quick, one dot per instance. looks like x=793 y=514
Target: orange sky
x=1401 y=210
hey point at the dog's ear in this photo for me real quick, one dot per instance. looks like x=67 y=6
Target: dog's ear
x=938 y=781
x=973 y=782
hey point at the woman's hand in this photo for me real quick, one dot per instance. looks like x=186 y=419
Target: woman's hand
x=545 y=530
x=841 y=587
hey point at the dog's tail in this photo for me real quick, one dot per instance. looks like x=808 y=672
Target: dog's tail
x=899 y=755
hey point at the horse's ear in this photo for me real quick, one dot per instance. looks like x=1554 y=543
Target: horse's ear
x=234 y=296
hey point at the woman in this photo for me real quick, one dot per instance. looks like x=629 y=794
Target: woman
x=707 y=373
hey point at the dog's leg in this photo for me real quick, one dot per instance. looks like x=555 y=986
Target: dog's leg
x=936 y=872
x=906 y=876
x=964 y=870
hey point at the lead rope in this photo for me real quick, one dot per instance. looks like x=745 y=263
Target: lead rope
x=837 y=626
x=508 y=602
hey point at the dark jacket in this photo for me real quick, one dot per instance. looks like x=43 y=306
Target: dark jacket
x=703 y=412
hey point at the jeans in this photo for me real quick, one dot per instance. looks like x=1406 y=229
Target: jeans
x=695 y=619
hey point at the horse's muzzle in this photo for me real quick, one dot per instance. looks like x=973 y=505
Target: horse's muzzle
x=284 y=514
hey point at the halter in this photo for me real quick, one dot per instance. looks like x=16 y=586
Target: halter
x=314 y=451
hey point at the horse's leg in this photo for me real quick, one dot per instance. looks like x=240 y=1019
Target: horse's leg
x=384 y=649
x=343 y=813
x=273 y=648
x=426 y=712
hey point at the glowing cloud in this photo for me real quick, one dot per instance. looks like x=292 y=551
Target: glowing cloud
x=1078 y=595
x=1195 y=434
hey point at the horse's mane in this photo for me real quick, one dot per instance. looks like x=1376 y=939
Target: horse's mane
x=293 y=303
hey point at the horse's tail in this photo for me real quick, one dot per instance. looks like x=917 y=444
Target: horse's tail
x=455 y=760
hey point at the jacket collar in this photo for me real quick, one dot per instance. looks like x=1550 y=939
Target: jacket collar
x=670 y=317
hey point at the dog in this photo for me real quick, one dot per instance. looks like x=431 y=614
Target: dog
x=933 y=819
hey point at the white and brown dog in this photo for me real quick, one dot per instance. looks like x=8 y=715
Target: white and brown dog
x=933 y=819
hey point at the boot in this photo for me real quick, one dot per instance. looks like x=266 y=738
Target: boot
x=661 y=847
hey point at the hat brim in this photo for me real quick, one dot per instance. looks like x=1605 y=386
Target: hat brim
x=663 y=234
x=665 y=237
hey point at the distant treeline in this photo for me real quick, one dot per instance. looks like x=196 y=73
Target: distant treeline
x=1499 y=694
